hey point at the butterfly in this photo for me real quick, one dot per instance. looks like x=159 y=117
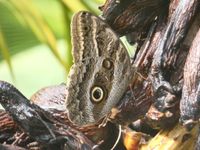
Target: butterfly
x=101 y=71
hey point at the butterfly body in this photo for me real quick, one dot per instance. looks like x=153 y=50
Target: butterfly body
x=101 y=71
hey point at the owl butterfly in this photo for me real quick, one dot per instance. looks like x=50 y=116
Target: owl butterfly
x=101 y=71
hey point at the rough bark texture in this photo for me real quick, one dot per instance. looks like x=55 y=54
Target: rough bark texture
x=190 y=106
x=159 y=63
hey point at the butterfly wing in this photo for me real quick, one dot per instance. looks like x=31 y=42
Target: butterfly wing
x=101 y=70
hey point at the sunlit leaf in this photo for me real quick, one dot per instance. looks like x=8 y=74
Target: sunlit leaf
x=24 y=25
x=100 y=1
x=38 y=25
x=74 y=5
x=5 y=52
x=16 y=35
x=92 y=6
x=67 y=35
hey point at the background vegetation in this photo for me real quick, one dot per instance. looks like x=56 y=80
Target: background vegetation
x=35 y=46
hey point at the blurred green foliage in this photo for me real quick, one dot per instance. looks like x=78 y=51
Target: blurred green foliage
x=38 y=21
x=26 y=24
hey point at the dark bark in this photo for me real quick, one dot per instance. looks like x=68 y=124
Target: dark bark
x=48 y=124
x=131 y=15
x=159 y=63
x=10 y=147
x=39 y=124
x=190 y=100
x=167 y=92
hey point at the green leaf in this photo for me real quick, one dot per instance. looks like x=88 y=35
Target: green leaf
x=92 y=6
x=38 y=25
x=26 y=23
x=17 y=36
x=5 y=52
x=74 y=5
x=69 y=58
